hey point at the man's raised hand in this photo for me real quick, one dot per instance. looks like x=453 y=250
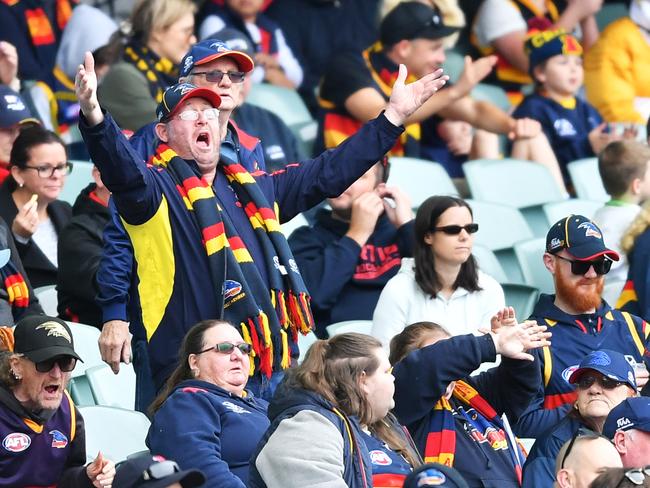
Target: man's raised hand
x=85 y=84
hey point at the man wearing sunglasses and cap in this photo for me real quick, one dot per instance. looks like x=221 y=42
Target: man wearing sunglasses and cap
x=628 y=426
x=581 y=321
x=42 y=432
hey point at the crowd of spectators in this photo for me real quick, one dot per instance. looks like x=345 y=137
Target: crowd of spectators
x=175 y=250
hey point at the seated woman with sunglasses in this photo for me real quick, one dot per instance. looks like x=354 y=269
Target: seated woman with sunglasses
x=204 y=418
x=28 y=201
x=603 y=379
x=442 y=283
x=42 y=432
x=456 y=419
x=623 y=478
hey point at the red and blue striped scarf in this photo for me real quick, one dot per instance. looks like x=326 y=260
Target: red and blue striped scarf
x=440 y=445
x=268 y=319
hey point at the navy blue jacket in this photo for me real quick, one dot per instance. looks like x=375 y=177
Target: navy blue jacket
x=539 y=470
x=174 y=290
x=575 y=336
x=421 y=379
x=635 y=298
x=202 y=426
x=344 y=279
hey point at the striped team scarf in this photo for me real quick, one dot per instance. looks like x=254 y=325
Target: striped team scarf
x=268 y=320
x=440 y=445
x=160 y=73
x=15 y=290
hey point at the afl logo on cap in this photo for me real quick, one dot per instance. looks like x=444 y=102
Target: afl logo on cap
x=16 y=442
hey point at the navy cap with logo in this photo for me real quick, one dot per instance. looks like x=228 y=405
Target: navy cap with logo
x=175 y=95
x=413 y=20
x=580 y=237
x=147 y=471
x=608 y=363
x=39 y=338
x=543 y=45
x=631 y=413
x=434 y=474
x=12 y=108
x=210 y=49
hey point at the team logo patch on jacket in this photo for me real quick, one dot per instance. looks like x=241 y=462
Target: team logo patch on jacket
x=380 y=458
x=16 y=442
x=59 y=440
x=566 y=374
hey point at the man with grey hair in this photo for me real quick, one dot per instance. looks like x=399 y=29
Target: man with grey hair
x=628 y=426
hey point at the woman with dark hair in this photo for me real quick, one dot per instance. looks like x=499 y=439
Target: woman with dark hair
x=28 y=201
x=330 y=422
x=204 y=418
x=442 y=283
x=457 y=419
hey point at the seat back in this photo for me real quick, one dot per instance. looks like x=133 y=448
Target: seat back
x=556 y=211
x=522 y=298
x=586 y=180
x=500 y=226
x=49 y=299
x=115 y=432
x=530 y=256
x=420 y=179
x=80 y=177
x=110 y=389
x=511 y=182
x=298 y=221
x=489 y=263
x=359 y=326
x=493 y=94
x=304 y=343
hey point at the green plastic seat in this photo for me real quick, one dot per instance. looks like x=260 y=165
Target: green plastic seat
x=359 y=326
x=586 y=180
x=530 y=256
x=80 y=177
x=489 y=263
x=555 y=211
x=420 y=179
x=522 y=298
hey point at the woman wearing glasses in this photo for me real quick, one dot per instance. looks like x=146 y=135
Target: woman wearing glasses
x=29 y=201
x=42 y=432
x=204 y=418
x=603 y=380
x=442 y=283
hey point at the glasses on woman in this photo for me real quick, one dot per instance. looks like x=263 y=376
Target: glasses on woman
x=453 y=230
x=48 y=170
x=208 y=113
x=636 y=476
x=601 y=266
x=66 y=364
x=216 y=76
x=586 y=381
x=229 y=347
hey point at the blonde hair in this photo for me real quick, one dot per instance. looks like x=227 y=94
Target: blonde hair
x=636 y=228
x=452 y=15
x=148 y=16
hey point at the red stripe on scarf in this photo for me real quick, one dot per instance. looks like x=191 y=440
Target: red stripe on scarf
x=17 y=290
x=212 y=231
x=39 y=27
x=441 y=444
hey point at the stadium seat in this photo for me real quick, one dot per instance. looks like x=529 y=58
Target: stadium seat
x=298 y=221
x=420 y=178
x=360 y=326
x=555 y=211
x=530 y=256
x=521 y=184
x=586 y=180
x=112 y=390
x=77 y=180
x=454 y=64
x=48 y=298
x=85 y=344
x=115 y=432
x=610 y=12
x=489 y=263
x=286 y=104
x=304 y=343
x=500 y=226
x=522 y=297
x=493 y=94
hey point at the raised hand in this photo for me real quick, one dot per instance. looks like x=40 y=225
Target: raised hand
x=26 y=221
x=513 y=342
x=101 y=472
x=85 y=85
x=9 y=65
x=406 y=99
x=503 y=318
x=474 y=72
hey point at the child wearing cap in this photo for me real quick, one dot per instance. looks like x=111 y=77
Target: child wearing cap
x=573 y=126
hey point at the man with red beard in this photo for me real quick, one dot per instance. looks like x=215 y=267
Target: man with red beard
x=580 y=320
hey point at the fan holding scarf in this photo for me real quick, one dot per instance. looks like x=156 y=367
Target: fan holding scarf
x=206 y=233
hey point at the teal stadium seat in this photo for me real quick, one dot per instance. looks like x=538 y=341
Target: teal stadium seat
x=110 y=389
x=359 y=326
x=85 y=344
x=76 y=181
x=522 y=298
x=420 y=179
x=454 y=64
x=48 y=298
x=298 y=221
x=555 y=211
x=489 y=263
x=530 y=256
x=586 y=180
x=493 y=94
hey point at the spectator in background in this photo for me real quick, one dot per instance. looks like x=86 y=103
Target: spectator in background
x=13 y=113
x=29 y=201
x=603 y=380
x=635 y=243
x=319 y=30
x=582 y=459
x=617 y=68
x=624 y=168
x=35 y=27
x=147 y=471
x=17 y=297
x=205 y=405
x=582 y=321
x=456 y=419
x=160 y=33
x=628 y=426
x=501 y=27
x=354 y=248
x=622 y=478
x=274 y=60
x=572 y=126
x=42 y=429
x=79 y=253
x=442 y=283
x=435 y=474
